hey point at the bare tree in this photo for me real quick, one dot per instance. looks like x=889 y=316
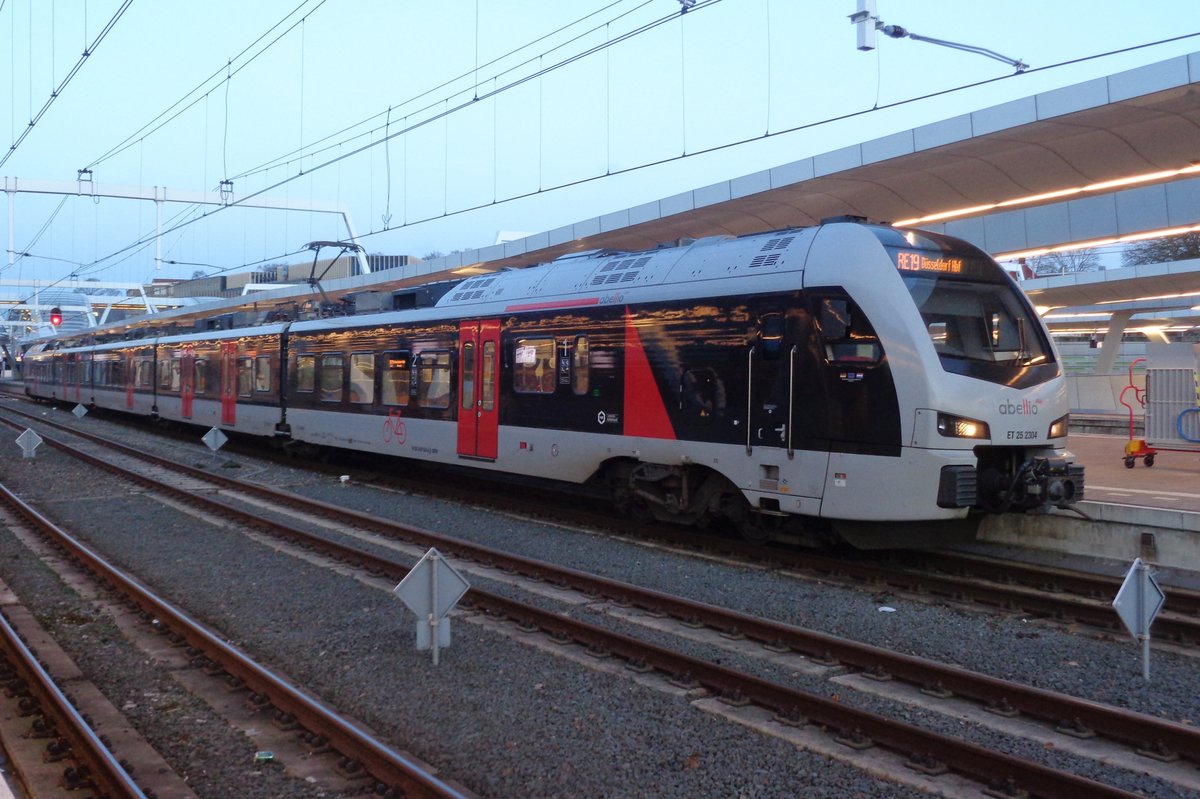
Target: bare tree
x=1067 y=262
x=1157 y=251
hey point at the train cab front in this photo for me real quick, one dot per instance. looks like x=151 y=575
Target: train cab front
x=997 y=408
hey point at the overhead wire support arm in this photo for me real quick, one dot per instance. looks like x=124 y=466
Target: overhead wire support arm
x=867 y=22
x=898 y=32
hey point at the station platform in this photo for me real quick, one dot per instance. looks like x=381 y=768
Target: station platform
x=1147 y=512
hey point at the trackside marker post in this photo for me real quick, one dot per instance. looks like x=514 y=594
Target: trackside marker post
x=214 y=439
x=28 y=442
x=431 y=590
x=1138 y=601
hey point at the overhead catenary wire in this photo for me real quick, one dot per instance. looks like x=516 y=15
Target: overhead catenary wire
x=58 y=90
x=582 y=181
x=407 y=128
x=439 y=101
x=150 y=127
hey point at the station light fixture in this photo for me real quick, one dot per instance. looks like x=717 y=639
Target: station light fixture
x=1083 y=245
x=1030 y=199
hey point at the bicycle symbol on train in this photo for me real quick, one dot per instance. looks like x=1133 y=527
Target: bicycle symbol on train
x=393 y=428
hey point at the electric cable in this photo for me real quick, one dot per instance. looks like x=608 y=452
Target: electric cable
x=143 y=131
x=583 y=181
x=301 y=152
x=57 y=92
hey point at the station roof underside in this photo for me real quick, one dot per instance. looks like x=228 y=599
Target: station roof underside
x=1131 y=123
x=1142 y=121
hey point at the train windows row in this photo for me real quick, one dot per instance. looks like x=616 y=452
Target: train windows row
x=540 y=366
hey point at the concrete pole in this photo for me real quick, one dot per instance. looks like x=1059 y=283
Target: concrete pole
x=1111 y=347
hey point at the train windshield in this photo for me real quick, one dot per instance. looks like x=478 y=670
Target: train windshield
x=980 y=324
x=978 y=321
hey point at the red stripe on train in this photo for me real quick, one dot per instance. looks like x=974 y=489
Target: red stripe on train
x=546 y=306
x=645 y=413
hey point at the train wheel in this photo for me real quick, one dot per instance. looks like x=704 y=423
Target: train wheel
x=1148 y=460
x=1129 y=462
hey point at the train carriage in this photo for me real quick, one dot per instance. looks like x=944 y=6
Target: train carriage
x=876 y=378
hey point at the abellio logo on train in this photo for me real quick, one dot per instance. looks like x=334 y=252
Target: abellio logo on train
x=1022 y=408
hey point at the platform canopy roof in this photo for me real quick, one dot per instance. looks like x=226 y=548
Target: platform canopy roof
x=1112 y=157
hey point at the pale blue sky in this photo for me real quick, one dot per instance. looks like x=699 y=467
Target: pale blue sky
x=723 y=73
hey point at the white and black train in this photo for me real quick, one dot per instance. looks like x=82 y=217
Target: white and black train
x=847 y=379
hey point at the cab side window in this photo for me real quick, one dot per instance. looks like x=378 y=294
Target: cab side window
x=847 y=334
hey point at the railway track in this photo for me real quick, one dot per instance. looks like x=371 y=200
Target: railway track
x=68 y=740
x=1157 y=738
x=360 y=750
x=1068 y=597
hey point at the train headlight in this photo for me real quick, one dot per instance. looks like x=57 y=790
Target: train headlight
x=1058 y=428
x=952 y=426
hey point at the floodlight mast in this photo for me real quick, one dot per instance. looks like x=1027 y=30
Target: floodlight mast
x=867 y=22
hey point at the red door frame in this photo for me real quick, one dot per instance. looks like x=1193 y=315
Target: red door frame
x=187 y=381
x=229 y=382
x=130 y=376
x=479 y=388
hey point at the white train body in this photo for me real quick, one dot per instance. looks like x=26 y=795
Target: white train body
x=852 y=373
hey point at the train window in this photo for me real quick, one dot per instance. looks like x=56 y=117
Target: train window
x=847 y=334
x=362 y=378
x=173 y=378
x=433 y=380
x=397 y=371
x=262 y=373
x=118 y=374
x=199 y=374
x=164 y=373
x=306 y=373
x=835 y=319
x=533 y=366
x=143 y=372
x=467 y=368
x=245 y=377
x=331 y=378
x=488 y=389
x=579 y=366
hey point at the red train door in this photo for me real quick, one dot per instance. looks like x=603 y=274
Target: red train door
x=187 y=381
x=229 y=382
x=130 y=377
x=478 y=388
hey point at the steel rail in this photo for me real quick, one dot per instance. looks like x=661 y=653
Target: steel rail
x=97 y=764
x=380 y=760
x=918 y=744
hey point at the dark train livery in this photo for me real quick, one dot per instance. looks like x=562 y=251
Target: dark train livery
x=847 y=378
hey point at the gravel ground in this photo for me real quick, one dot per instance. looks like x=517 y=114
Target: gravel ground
x=505 y=719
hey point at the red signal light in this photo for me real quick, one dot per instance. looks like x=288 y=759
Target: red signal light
x=55 y=317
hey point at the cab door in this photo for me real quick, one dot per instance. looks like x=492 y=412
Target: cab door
x=478 y=388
